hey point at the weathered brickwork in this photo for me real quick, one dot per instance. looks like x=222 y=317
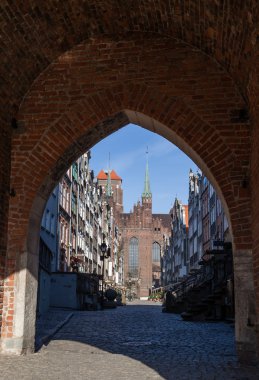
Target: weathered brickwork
x=253 y=91
x=44 y=31
x=147 y=228
x=5 y=146
x=193 y=97
x=73 y=72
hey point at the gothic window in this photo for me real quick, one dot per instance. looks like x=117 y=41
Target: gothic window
x=133 y=256
x=156 y=252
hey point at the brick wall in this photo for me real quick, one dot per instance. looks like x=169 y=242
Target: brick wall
x=178 y=67
x=74 y=104
x=253 y=91
x=255 y=212
x=192 y=96
x=5 y=151
x=223 y=31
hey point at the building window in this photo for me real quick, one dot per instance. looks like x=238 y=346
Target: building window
x=67 y=202
x=212 y=215
x=64 y=193
x=52 y=224
x=75 y=171
x=43 y=220
x=211 y=191
x=61 y=192
x=133 y=256
x=74 y=205
x=156 y=252
x=47 y=221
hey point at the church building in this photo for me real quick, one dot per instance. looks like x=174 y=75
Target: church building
x=143 y=235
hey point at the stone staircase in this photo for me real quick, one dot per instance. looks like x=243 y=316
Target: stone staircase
x=208 y=308
x=206 y=295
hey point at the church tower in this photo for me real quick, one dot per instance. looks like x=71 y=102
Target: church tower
x=142 y=234
x=147 y=196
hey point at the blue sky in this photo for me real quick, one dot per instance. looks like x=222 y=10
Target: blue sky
x=168 y=166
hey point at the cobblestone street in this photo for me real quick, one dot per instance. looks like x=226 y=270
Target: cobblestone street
x=133 y=342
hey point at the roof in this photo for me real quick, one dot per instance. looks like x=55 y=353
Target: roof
x=114 y=175
x=147 y=192
x=104 y=176
x=165 y=218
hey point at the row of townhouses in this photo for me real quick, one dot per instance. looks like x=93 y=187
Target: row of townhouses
x=144 y=251
x=84 y=211
x=195 y=230
x=78 y=218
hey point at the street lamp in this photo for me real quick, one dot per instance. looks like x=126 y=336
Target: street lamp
x=106 y=252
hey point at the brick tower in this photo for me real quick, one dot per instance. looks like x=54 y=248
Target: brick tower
x=142 y=234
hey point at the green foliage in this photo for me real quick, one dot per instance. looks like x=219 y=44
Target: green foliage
x=156 y=296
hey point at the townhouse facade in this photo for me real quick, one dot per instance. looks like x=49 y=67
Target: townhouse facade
x=78 y=217
x=174 y=260
x=196 y=229
x=110 y=185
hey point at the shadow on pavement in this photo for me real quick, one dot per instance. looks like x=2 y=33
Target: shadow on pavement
x=159 y=340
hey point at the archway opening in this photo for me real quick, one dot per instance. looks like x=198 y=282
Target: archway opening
x=183 y=259
x=216 y=163
x=81 y=107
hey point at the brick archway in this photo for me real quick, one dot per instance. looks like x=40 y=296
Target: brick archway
x=172 y=83
x=171 y=89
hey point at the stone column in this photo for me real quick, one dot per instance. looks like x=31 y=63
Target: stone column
x=22 y=338
x=5 y=193
x=245 y=310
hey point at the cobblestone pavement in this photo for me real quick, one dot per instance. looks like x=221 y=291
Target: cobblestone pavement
x=48 y=323
x=131 y=343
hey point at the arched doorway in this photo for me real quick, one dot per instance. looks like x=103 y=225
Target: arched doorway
x=172 y=90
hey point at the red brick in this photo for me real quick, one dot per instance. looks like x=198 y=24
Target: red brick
x=59 y=89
